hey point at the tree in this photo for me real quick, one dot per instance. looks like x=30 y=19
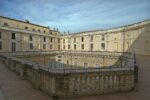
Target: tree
x=48 y=27
x=27 y=21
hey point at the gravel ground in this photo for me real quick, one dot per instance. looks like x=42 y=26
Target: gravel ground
x=13 y=88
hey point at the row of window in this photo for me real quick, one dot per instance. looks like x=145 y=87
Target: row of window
x=6 y=24
x=44 y=39
x=44 y=46
x=51 y=47
x=82 y=39
x=13 y=36
x=85 y=64
x=82 y=46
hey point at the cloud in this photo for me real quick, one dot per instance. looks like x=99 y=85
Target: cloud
x=77 y=15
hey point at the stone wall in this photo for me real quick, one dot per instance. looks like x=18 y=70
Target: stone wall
x=76 y=83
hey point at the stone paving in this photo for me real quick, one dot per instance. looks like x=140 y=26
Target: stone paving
x=13 y=88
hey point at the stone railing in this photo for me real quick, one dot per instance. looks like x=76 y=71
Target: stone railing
x=105 y=53
x=73 y=82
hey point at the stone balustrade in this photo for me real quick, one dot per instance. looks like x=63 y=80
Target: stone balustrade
x=73 y=82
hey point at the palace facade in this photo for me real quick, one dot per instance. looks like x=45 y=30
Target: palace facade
x=17 y=35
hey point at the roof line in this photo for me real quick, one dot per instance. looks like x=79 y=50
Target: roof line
x=24 y=22
x=112 y=27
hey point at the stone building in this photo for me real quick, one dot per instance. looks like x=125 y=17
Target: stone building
x=17 y=35
x=86 y=63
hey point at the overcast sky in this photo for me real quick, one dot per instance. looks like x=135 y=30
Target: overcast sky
x=77 y=15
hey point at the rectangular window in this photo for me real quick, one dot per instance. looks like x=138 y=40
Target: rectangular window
x=33 y=30
x=44 y=46
x=103 y=46
x=39 y=30
x=13 y=36
x=44 y=39
x=85 y=65
x=74 y=39
x=97 y=65
x=68 y=46
x=74 y=46
x=51 y=46
x=0 y=45
x=103 y=37
x=5 y=24
x=82 y=39
x=13 y=46
x=63 y=40
x=44 y=31
x=59 y=56
x=69 y=40
x=58 y=40
x=64 y=47
x=58 y=47
x=91 y=47
x=91 y=38
x=31 y=45
x=26 y=28
x=82 y=46
x=67 y=62
x=31 y=38
x=51 y=39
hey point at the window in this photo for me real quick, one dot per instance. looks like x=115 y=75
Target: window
x=31 y=45
x=44 y=31
x=74 y=46
x=97 y=65
x=67 y=62
x=0 y=35
x=39 y=30
x=51 y=46
x=5 y=24
x=31 y=38
x=59 y=60
x=75 y=62
x=103 y=37
x=91 y=38
x=91 y=47
x=82 y=39
x=68 y=46
x=59 y=56
x=74 y=39
x=85 y=65
x=58 y=47
x=26 y=28
x=64 y=47
x=82 y=46
x=44 y=46
x=51 y=40
x=103 y=46
x=0 y=45
x=13 y=36
x=63 y=40
x=69 y=40
x=44 y=39
x=33 y=30
x=13 y=46
x=58 y=40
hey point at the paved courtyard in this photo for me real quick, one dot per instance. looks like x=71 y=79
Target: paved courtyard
x=13 y=88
